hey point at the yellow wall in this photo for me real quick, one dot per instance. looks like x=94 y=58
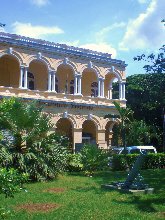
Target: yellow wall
x=88 y=77
x=40 y=73
x=9 y=72
x=64 y=75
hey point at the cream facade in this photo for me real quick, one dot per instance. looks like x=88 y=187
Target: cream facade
x=74 y=85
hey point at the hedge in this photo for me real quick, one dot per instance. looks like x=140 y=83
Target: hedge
x=152 y=161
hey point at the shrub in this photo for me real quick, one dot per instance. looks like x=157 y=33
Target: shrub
x=75 y=162
x=5 y=213
x=152 y=161
x=93 y=159
x=26 y=143
x=11 y=181
x=44 y=160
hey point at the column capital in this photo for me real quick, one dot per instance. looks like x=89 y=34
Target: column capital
x=24 y=66
x=51 y=71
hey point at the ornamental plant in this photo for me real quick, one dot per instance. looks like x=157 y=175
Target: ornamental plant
x=26 y=143
x=93 y=159
x=11 y=181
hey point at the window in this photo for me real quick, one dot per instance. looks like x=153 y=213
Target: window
x=30 y=81
x=56 y=85
x=94 y=89
x=72 y=86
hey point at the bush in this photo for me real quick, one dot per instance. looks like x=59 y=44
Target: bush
x=93 y=159
x=75 y=162
x=11 y=181
x=26 y=143
x=152 y=161
x=44 y=160
x=5 y=213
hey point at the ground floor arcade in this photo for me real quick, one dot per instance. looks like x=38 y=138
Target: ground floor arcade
x=83 y=124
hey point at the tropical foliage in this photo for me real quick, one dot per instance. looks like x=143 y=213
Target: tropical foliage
x=145 y=94
x=93 y=159
x=11 y=181
x=152 y=161
x=26 y=142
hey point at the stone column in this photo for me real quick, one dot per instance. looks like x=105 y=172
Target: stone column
x=21 y=77
x=75 y=84
x=123 y=90
x=120 y=90
x=25 y=77
x=49 y=80
x=101 y=139
x=79 y=85
x=99 y=87
x=53 y=82
x=110 y=92
x=102 y=88
x=77 y=136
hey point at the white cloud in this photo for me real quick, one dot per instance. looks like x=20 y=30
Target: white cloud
x=27 y=29
x=146 y=31
x=39 y=3
x=100 y=35
x=101 y=47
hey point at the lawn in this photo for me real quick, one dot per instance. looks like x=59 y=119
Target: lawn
x=75 y=196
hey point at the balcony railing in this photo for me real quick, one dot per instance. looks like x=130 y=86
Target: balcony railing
x=47 y=96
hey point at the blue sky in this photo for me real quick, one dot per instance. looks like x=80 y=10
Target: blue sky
x=123 y=28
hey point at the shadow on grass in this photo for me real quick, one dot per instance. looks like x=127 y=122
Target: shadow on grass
x=154 y=178
x=143 y=205
x=92 y=189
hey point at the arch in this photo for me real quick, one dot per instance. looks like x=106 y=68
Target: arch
x=64 y=127
x=109 y=130
x=40 y=71
x=90 y=66
x=89 y=132
x=114 y=71
x=89 y=78
x=110 y=76
x=9 y=71
x=40 y=58
x=93 y=119
x=14 y=54
x=72 y=119
x=66 y=61
x=65 y=74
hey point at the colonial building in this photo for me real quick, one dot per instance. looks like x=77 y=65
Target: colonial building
x=74 y=85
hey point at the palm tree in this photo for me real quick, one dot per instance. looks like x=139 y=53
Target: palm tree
x=125 y=115
x=26 y=143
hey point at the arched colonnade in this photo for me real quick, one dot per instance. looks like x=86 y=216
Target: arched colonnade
x=38 y=74
x=88 y=129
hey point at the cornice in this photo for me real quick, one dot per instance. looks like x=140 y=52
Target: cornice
x=57 y=48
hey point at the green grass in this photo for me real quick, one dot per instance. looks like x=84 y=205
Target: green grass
x=84 y=199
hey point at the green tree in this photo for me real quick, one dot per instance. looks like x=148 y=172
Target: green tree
x=145 y=94
x=27 y=144
x=138 y=133
x=125 y=115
